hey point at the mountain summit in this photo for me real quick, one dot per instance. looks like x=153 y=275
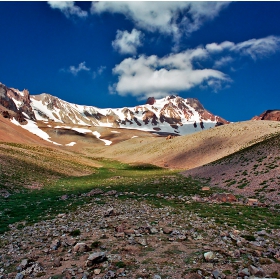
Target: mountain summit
x=172 y=114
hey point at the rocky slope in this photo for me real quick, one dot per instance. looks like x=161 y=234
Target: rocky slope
x=270 y=115
x=130 y=239
x=252 y=172
x=172 y=114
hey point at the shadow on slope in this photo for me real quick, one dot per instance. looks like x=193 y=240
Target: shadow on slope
x=253 y=171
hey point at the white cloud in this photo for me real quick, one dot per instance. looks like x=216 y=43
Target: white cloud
x=81 y=67
x=68 y=8
x=99 y=71
x=168 y=17
x=158 y=77
x=127 y=43
x=255 y=48
x=224 y=61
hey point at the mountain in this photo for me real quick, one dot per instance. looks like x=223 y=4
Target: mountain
x=169 y=115
x=268 y=115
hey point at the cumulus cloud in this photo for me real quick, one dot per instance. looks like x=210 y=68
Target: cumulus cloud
x=255 y=48
x=75 y=70
x=127 y=43
x=68 y=8
x=171 y=17
x=153 y=76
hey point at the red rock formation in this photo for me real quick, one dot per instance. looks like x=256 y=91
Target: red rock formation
x=151 y=101
x=268 y=115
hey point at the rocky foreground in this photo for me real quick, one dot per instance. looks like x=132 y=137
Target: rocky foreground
x=127 y=238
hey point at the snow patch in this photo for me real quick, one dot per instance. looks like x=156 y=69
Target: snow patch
x=32 y=127
x=97 y=134
x=71 y=144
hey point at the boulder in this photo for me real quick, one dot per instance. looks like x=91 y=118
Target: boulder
x=209 y=256
x=81 y=247
x=96 y=258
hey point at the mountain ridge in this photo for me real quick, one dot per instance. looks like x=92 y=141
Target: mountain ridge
x=171 y=114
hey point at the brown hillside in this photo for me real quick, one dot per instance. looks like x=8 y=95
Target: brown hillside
x=190 y=151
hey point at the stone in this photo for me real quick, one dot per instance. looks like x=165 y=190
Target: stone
x=24 y=263
x=142 y=241
x=110 y=274
x=255 y=271
x=119 y=234
x=216 y=274
x=167 y=230
x=55 y=244
x=110 y=212
x=156 y=276
x=153 y=230
x=205 y=189
x=182 y=237
x=57 y=262
x=81 y=247
x=85 y=275
x=244 y=272
x=97 y=271
x=19 y=276
x=96 y=258
x=209 y=256
x=129 y=231
x=64 y=197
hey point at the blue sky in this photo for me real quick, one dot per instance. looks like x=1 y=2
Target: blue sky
x=116 y=54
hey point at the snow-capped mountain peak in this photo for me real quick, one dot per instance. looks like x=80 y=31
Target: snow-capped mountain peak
x=171 y=114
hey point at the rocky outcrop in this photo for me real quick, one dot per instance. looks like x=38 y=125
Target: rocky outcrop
x=15 y=104
x=268 y=115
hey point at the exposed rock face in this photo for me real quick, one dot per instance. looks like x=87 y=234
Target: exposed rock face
x=269 y=115
x=15 y=104
x=151 y=101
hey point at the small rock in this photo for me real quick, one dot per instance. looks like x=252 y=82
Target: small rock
x=209 y=256
x=96 y=258
x=119 y=234
x=55 y=244
x=142 y=241
x=167 y=230
x=85 y=275
x=24 y=263
x=64 y=197
x=244 y=272
x=255 y=271
x=19 y=276
x=182 y=237
x=262 y=232
x=110 y=275
x=153 y=230
x=110 y=212
x=205 y=189
x=57 y=262
x=156 y=276
x=216 y=274
x=81 y=247
x=120 y=271
x=97 y=271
